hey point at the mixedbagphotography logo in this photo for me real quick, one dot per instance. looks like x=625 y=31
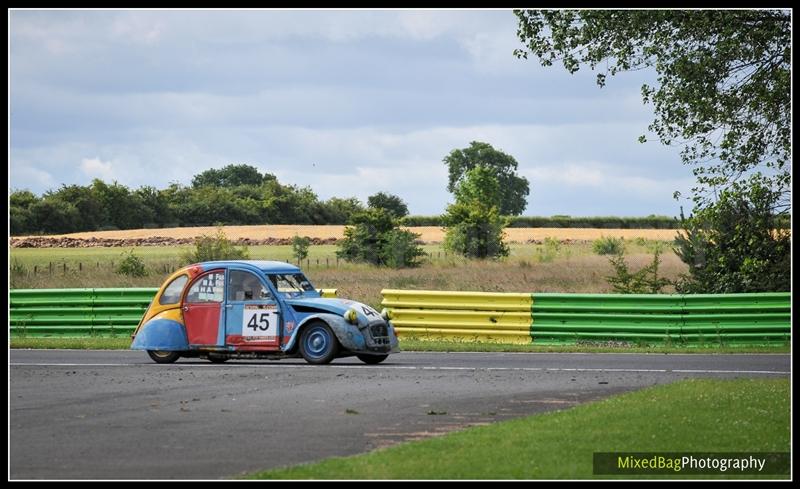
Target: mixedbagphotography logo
x=747 y=463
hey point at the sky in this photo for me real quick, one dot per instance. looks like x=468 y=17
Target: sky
x=349 y=103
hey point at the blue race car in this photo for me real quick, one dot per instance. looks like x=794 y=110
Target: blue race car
x=257 y=309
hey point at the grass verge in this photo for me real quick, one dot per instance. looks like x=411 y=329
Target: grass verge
x=124 y=342
x=98 y=343
x=415 y=344
x=743 y=415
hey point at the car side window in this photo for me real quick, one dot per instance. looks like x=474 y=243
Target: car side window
x=244 y=286
x=208 y=288
x=172 y=294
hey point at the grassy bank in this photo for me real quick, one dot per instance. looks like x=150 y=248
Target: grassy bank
x=124 y=342
x=547 y=267
x=689 y=416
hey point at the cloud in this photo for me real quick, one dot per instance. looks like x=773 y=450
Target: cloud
x=94 y=168
x=138 y=28
x=347 y=102
x=29 y=177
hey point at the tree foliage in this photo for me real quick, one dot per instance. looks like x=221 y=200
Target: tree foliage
x=222 y=198
x=392 y=203
x=211 y=248
x=723 y=87
x=231 y=176
x=736 y=245
x=474 y=225
x=374 y=236
x=643 y=281
x=511 y=199
x=300 y=246
x=723 y=93
x=131 y=265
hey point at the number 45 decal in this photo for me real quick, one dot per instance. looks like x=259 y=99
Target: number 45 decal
x=259 y=322
x=262 y=324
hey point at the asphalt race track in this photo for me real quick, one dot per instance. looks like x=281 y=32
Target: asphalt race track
x=118 y=415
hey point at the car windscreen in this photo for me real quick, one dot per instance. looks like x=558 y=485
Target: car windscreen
x=291 y=284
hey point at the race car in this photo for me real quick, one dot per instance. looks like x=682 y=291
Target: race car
x=247 y=309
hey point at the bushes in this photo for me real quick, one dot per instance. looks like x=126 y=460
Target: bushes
x=300 y=247
x=644 y=281
x=211 y=248
x=131 y=266
x=474 y=225
x=736 y=245
x=601 y=222
x=608 y=246
x=373 y=236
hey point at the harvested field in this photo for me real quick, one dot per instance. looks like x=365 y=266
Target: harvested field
x=282 y=235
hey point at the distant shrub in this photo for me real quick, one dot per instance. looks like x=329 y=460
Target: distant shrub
x=131 y=266
x=373 y=236
x=300 y=246
x=549 y=250
x=608 y=245
x=211 y=248
x=563 y=221
x=644 y=281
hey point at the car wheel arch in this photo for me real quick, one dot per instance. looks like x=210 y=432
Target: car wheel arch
x=338 y=326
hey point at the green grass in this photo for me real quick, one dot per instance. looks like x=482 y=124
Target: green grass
x=563 y=267
x=91 y=257
x=414 y=344
x=124 y=342
x=97 y=343
x=742 y=415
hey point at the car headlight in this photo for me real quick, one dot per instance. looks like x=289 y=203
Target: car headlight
x=385 y=314
x=351 y=316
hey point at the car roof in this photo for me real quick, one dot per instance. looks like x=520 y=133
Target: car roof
x=265 y=266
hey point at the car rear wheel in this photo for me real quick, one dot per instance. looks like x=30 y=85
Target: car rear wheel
x=318 y=344
x=372 y=359
x=164 y=356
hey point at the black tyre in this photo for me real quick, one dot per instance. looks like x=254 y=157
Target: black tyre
x=164 y=356
x=372 y=359
x=318 y=344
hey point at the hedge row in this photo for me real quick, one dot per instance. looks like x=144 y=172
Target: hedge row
x=602 y=222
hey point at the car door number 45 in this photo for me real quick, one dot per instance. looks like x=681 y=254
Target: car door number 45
x=258 y=322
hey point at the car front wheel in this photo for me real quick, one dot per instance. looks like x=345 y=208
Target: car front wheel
x=164 y=356
x=318 y=344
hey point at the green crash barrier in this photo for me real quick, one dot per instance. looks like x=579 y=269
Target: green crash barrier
x=82 y=312
x=763 y=318
x=465 y=316
x=77 y=312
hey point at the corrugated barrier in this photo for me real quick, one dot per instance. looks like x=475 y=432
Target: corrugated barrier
x=763 y=318
x=465 y=316
x=81 y=312
x=77 y=312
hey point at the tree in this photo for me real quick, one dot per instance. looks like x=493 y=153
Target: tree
x=723 y=87
x=391 y=203
x=19 y=212
x=52 y=215
x=512 y=199
x=211 y=248
x=474 y=225
x=723 y=93
x=300 y=246
x=231 y=176
x=737 y=245
x=374 y=236
x=91 y=211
